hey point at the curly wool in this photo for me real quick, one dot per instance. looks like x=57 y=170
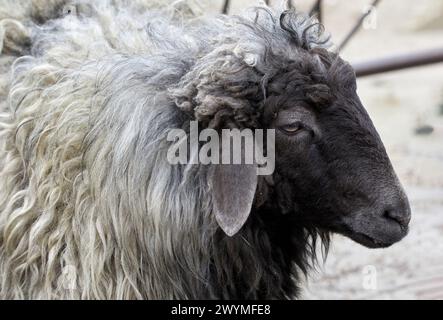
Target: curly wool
x=85 y=188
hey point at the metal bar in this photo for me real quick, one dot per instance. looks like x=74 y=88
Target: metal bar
x=226 y=7
x=398 y=62
x=317 y=10
x=357 y=26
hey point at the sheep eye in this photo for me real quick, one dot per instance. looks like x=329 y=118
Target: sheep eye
x=292 y=129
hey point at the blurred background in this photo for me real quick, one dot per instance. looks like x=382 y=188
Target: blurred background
x=407 y=109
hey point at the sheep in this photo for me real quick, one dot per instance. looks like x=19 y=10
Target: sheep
x=86 y=192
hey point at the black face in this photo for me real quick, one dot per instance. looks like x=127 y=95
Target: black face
x=333 y=162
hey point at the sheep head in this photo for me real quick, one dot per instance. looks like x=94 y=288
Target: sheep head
x=332 y=172
x=331 y=166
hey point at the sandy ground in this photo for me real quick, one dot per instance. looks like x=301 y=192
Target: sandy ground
x=398 y=103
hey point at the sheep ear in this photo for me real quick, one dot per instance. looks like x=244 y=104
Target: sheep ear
x=233 y=187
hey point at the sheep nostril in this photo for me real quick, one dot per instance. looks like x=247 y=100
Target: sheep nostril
x=402 y=217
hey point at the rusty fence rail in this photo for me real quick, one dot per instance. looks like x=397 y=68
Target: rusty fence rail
x=398 y=62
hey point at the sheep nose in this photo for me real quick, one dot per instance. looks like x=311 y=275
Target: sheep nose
x=399 y=213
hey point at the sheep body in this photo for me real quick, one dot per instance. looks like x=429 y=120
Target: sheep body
x=89 y=207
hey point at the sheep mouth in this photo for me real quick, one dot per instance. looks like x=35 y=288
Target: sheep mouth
x=375 y=239
x=368 y=241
